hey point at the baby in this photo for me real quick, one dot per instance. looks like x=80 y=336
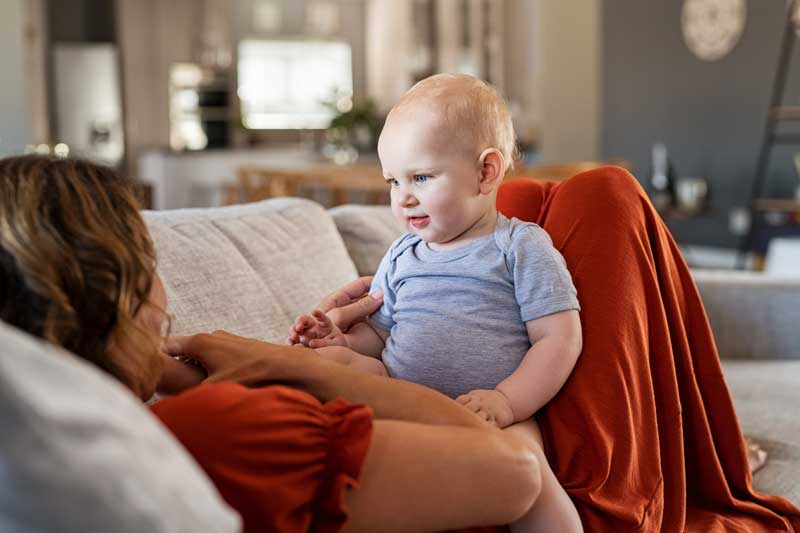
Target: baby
x=477 y=306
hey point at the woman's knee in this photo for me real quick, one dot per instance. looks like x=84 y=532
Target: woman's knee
x=600 y=196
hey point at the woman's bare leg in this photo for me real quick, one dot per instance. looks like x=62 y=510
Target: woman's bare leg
x=419 y=477
x=553 y=510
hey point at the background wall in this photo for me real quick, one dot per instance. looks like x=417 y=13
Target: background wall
x=570 y=48
x=710 y=115
x=15 y=125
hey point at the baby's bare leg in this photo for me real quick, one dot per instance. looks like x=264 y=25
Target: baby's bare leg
x=353 y=359
x=553 y=510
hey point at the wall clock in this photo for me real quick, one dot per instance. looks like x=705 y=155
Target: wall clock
x=711 y=28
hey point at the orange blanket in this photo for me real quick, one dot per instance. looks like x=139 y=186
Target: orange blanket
x=643 y=436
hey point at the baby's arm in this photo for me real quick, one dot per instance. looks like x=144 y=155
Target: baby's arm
x=367 y=339
x=556 y=344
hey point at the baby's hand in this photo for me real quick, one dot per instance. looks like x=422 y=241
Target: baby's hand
x=491 y=405
x=315 y=331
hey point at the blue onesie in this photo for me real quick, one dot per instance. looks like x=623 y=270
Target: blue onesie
x=457 y=317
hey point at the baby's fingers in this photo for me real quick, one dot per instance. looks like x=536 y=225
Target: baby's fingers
x=303 y=323
x=484 y=415
x=472 y=404
x=296 y=330
x=322 y=319
x=319 y=343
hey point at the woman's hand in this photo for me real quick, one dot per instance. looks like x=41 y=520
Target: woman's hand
x=179 y=376
x=228 y=357
x=351 y=303
x=254 y=363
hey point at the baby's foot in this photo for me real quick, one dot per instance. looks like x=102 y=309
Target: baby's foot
x=756 y=455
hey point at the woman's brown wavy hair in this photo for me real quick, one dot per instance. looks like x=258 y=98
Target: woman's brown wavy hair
x=77 y=264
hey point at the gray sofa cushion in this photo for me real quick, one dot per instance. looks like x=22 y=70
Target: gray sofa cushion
x=752 y=314
x=78 y=453
x=368 y=231
x=250 y=269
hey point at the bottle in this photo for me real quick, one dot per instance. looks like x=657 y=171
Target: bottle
x=662 y=178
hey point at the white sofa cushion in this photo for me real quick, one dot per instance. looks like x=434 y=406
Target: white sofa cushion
x=78 y=453
x=250 y=269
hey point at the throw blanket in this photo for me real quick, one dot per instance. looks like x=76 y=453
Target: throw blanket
x=643 y=436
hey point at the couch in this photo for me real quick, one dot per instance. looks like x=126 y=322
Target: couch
x=253 y=268
x=257 y=266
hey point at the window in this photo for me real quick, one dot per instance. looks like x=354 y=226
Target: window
x=291 y=84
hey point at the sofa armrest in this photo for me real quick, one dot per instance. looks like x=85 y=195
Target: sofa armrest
x=752 y=315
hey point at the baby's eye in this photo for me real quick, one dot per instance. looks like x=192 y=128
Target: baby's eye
x=421 y=178
x=393 y=182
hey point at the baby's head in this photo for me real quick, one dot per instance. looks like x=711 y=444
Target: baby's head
x=469 y=111
x=445 y=148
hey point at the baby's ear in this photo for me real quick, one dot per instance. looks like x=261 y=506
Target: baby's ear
x=493 y=168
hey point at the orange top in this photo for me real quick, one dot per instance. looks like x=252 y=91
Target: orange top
x=277 y=455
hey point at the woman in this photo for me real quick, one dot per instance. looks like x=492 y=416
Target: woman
x=77 y=268
x=643 y=436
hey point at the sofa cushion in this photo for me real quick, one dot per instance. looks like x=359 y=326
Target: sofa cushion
x=767 y=395
x=250 y=269
x=751 y=314
x=368 y=231
x=78 y=452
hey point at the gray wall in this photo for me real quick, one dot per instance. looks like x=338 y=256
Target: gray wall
x=15 y=123
x=710 y=115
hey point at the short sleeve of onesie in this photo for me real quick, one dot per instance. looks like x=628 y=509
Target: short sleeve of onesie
x=277 y=455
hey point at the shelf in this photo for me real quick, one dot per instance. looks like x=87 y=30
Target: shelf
x=682 y=213
x=776 y=204
x=785 y=113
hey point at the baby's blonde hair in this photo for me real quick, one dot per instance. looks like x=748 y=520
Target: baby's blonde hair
x=469 y=107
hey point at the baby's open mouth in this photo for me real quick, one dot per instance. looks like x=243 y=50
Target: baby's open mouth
x=419 y=222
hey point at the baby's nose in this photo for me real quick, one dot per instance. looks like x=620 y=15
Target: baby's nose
x=408 y=199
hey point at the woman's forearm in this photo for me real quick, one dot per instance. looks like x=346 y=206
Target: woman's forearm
x=228 y=357
x=390 y=399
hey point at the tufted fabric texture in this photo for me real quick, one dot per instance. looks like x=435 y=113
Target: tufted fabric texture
x=249 y=269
